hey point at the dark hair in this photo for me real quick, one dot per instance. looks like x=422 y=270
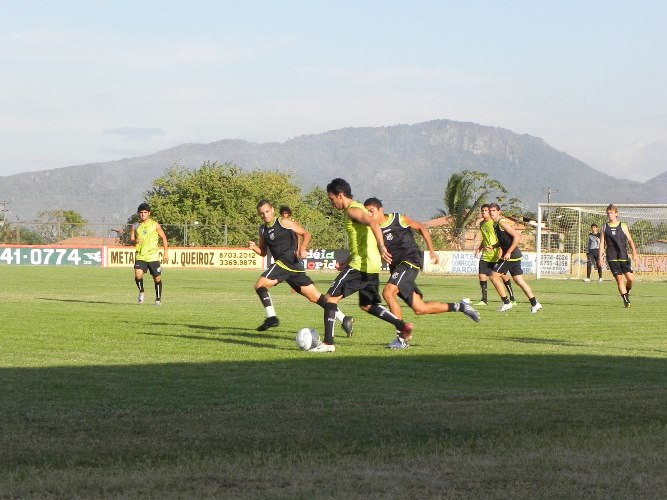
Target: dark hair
x=486 y=205
x=373 y=202
x=593 y=225
x=263 y=202
x=284 y=209
x=339 y=186
x=144 y=207
x=494 y=205
x=612 y=207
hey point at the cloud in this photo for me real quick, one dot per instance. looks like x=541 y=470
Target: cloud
x=135 y=133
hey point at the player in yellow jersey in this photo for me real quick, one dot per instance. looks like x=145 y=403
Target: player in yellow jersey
x=361 y=273
x=489 y=253
x=146 y=235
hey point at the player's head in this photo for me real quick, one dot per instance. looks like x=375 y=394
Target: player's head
x=338 y=191
x=594 y=228
x=144 y=207
x=375 y=208
x=612 y=208
x=265 y=210
x=494 y=210
x=285 y=211
x=484 y=210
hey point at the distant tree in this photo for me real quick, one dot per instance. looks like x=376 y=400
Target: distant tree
x=465 y=193
x=57 y=225
x=216 y=204
x=15 y=234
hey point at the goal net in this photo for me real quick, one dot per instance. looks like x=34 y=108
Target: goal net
x=562 y=230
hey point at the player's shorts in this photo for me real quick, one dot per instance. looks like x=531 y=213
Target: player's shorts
x=351 y=280
x=618 y=267
x=294 y=278
x=593 y=256
x=513 y=267
x=486 y=267
x=154 y=267
x=404 y=276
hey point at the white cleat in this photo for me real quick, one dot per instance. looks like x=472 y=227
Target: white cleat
x=536 y=308
x=140 y=300
x=505 y=307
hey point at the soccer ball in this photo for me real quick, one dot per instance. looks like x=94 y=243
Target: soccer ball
x=307 y=338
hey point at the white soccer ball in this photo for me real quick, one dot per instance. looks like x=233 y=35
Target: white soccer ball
x=307 y=338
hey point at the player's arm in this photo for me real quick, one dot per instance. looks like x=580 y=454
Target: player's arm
x=602 y=247
x=259 y=249
x=304 y=236
x=426 y=234
x=626 y=230
x=358 y=215
x=133 y=234
x=165 y=245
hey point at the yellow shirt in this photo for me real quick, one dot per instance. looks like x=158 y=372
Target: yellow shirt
x=364 y=253
x=147 y=239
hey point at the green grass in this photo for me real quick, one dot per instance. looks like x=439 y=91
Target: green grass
x=103 y=398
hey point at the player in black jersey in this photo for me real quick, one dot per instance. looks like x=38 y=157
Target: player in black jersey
x=614 y=240
x=509 y=261
x=287 y=240
x=407 y=260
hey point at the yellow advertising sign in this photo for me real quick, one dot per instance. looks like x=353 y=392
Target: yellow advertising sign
x=193 y=257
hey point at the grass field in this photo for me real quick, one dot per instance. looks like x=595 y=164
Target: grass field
x=103 y=398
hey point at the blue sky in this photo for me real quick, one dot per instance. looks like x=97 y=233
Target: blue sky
x=87 y=81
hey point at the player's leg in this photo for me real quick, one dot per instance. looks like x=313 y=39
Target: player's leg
x=390 y=296
x=262 y=290
x=140 y=268
x=517 y=275
x=313 y=294
x=499 y=269
x=156 y=271
x=507 y=281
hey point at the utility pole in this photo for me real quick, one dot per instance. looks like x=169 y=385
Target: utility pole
x=4 y=211
x=548 y=190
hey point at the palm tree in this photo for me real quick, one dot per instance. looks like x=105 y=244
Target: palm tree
x=465 y=193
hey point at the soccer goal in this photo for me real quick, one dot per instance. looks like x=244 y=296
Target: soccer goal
x=562 y=234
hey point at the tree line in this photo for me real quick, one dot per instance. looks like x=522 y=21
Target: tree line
x=220 y=201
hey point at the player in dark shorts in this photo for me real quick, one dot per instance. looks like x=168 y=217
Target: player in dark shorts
x=509 y=261
x=407 y=260
x=287 y=240
x=614 y=240
x=361 y=272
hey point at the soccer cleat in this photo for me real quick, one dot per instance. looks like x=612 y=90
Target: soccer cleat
x=536 y=307
x=481 y=303
x=140 y=300
x=158 y=302
x=406 y=332
x=322 y=347
x=600 y=280
x=469 y=311
x=348 y=325
x=513 y=302
x=587 y=280
x=628 y=304
x=505 y=307
x=398 y=343
x=269 y=322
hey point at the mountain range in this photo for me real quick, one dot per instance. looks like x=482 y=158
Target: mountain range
x=406 y=166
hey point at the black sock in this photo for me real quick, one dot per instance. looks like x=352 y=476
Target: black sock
x=329 y=322
x=485 y=293
x=385 y=314
x=158 y=290
x=533 y=301
x=140 y=284
x=264 y=296
x=508 y=286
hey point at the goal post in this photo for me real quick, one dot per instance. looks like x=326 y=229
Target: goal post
x=563 y=228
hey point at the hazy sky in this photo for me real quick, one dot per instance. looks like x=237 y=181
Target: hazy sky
x=87 y=81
